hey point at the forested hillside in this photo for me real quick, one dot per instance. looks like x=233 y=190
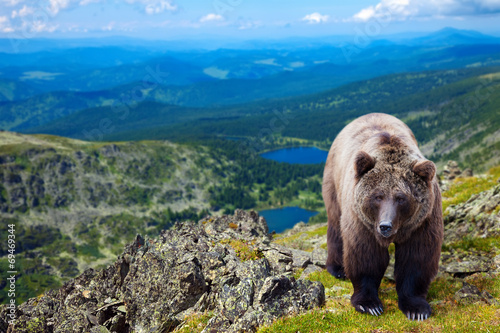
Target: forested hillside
x=75 y=204
x=438 y=106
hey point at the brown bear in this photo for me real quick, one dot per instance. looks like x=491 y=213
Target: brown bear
x=379 y=189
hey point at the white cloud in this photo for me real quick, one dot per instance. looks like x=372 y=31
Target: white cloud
x=155 y=6
x=407 y=9
x=11 y=3
x=246 y=24
x=38 y=26
x=4 y=22
x=108 y=27
x=52 y=7
x=211 y=17
x=86 y=2
x=57 y=5
x=25 y=11
x=365 y=14
x=315 y=18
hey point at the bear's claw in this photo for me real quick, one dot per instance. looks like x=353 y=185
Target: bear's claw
x=418 y=316
x=374 y=311
x=415 y=308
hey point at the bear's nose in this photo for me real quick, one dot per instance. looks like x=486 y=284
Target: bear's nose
x=385 y=227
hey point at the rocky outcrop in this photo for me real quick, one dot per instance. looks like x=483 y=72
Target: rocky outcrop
x=451 y=171
x=474 y=218
x=226 y=265
x=470 y=294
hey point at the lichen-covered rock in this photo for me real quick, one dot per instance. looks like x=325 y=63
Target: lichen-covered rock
x=301 y=259
x=309 y=270
x=156 y=283
x=468 y=264
x=470 y=294
x=279 y=296
x=474 y=218
x=496 y=264
x=319 y=256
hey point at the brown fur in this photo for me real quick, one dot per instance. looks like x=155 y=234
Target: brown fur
x=375 y=173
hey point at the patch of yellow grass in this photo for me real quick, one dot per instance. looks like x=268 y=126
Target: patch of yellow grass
x=300 y=240
x=244 y=250
x=317 y=232
x=463 y=188
x=196 y=323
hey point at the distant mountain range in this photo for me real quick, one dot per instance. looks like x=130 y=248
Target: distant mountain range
x=136 y=92
x=81 y=67
x=39 y=88
x=451 y=36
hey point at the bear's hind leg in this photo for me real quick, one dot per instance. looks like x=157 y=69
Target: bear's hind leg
x=365 y=264
x=416 y=265
x=335 y=260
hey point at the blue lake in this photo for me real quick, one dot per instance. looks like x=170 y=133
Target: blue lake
x=280 y=219
x=298 y=155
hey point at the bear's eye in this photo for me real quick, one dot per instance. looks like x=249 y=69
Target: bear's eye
x=400 y=200
x=379 y=197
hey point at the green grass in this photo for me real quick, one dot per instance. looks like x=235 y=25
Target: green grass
x=294 y=241
x=195 y=323
x=468 y=243
x=245 y=250
x=300 y=240
x=328 y=280
x=463 y=188
x=317 y=232
x=337 y=315
x=448 y=318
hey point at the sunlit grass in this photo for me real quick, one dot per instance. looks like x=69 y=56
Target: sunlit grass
x=339 y=316
x=463 y=188
x=196 y=323
x=300 y=240
x=318 y=232
x=245 y=250
x=479 y=244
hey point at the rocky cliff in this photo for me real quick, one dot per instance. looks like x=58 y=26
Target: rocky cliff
x=226 y=265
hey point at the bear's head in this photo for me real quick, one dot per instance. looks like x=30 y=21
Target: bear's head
x=394 y=193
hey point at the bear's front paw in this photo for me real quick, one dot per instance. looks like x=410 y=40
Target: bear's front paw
x=372 y=306
x=415 y=308
x=336 y=271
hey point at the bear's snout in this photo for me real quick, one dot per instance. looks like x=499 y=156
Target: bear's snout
x=385 y=228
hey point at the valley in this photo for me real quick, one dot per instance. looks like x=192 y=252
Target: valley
x=99 y=144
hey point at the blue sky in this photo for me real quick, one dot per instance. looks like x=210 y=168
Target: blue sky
x=174 y=19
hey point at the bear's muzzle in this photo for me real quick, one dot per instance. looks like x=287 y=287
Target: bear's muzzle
x=385 y=228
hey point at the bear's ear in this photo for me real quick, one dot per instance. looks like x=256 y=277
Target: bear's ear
x=363 y=164
x=425 y=169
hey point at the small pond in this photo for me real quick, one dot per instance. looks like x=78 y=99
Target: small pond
x=280 y=219
x=297 y=155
